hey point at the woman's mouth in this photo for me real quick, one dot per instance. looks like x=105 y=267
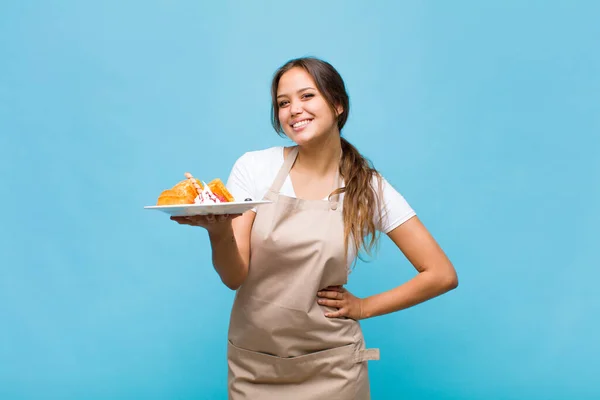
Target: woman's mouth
x=300 y=125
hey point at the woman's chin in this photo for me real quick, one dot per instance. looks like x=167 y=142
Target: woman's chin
x=303 y=138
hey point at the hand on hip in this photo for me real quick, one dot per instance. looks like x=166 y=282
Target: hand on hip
x=348 y=305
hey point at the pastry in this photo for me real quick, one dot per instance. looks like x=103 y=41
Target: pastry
x=193 y=191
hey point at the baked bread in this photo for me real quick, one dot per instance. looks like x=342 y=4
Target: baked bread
x=183 y=192
x=218 y=188
x=186 y=192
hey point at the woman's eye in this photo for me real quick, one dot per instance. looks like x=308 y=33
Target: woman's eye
x=283 y=103
x=308 y=95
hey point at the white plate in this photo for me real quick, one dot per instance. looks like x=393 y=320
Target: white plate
x=186 y=210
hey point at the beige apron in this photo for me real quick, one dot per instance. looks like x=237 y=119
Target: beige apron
x=281 y=345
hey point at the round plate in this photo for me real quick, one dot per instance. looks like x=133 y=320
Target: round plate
x=186 y=210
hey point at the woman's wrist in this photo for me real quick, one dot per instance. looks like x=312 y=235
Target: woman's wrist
x=366 y=308
x=220 y=234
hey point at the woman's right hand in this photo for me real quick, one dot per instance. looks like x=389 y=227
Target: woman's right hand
x=214 y=224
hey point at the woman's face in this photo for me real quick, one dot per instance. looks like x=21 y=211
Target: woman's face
x=304 y=114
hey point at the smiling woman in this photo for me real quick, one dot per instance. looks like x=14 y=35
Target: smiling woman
x=322 y=97
x=293 y=324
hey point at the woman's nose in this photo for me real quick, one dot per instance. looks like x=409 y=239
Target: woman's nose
x=296 y=108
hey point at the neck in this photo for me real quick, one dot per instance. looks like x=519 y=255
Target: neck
x=321 y=158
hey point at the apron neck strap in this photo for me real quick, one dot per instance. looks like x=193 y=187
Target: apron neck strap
x=285 y=169
x=334 y=199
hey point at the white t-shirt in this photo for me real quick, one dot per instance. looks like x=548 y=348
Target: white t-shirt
x=254 y=172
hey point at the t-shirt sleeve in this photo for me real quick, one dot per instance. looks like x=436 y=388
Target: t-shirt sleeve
x=394 y=210
x=240 y=183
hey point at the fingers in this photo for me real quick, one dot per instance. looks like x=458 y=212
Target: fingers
x=338 y=295
x=341 y=313
x=204 y=220
x=334 y=297
x=339 y=304
x=331 y=302
x=224 y=217
x=213 y=219
x=181 y=220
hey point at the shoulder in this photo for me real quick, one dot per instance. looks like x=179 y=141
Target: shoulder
x=393 y=208
x=254 y=171
x=258 y=159
x=269 y=152
x=385 y=189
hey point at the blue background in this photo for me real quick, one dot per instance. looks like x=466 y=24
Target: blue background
x=484 y=115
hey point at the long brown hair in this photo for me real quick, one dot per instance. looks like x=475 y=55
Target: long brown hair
x=361 y=199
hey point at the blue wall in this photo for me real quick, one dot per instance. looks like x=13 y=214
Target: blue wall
x=484 y=115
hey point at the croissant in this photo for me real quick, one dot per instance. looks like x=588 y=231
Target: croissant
x=218 y=188
x=186 y=191
x=183 y=192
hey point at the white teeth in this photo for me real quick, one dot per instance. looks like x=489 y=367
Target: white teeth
x=301 y=123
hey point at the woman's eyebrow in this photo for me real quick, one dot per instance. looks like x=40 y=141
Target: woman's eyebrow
x=301 y=90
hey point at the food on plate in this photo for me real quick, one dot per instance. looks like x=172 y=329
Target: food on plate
x=217 y=187
x=194 y=191
x=183 y=192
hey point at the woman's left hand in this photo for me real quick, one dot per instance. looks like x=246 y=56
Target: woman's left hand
x=348 y=305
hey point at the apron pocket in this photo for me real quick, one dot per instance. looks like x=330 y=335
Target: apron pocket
x=334 y=373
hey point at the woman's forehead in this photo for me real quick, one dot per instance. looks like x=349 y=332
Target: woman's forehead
x=294 y=80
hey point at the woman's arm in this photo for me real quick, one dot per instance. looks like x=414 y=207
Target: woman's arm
x=436 y=273
x=230 y=243
x=231 y=250
x=436 y=276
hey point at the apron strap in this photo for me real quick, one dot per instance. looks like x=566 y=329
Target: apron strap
x=284 y=170
x=366 y=355
x=334 y=200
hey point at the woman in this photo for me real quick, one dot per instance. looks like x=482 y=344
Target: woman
x=294 y=331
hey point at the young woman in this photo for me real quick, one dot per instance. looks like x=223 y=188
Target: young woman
x=294 y=330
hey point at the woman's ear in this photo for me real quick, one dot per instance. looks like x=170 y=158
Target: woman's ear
x=339 y=110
